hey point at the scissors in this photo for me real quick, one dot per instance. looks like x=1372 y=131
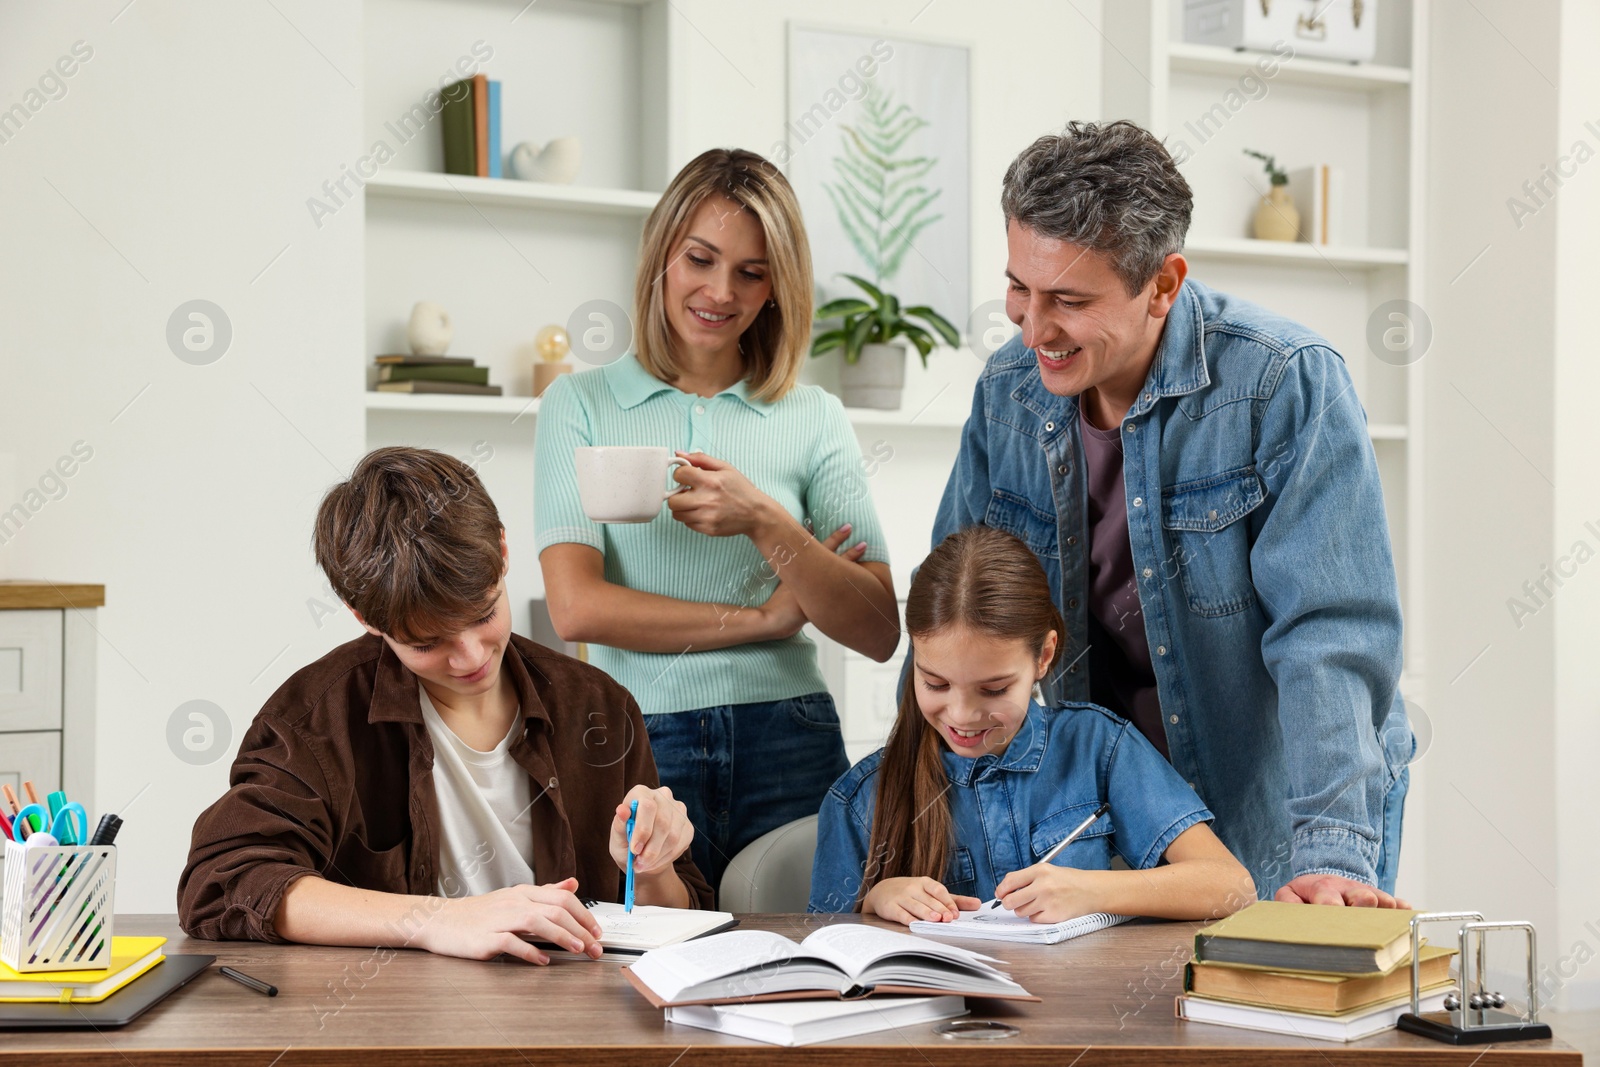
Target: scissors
x=62 y=827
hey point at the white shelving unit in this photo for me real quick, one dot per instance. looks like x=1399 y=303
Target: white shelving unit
x=1301 y=70
x=447 y=188
x=1250 y=250
x=524 y=409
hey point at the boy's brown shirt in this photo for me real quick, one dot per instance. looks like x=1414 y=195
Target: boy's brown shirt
x=335 y=778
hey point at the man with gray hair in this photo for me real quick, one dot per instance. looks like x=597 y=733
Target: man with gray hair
x=1194 y=473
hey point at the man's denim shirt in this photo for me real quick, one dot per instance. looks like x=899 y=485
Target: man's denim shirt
x=1009 y=810
x=1262 y=556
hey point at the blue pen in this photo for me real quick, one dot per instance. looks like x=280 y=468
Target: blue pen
x=627 y=892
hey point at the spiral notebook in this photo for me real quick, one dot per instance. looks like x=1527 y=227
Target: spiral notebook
x=1002 y=924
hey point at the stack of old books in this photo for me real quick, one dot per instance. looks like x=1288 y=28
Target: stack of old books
x=433 y=374
x=1337 y=974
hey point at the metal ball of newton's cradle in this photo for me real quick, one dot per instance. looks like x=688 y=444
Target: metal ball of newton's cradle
x=1477 y=1001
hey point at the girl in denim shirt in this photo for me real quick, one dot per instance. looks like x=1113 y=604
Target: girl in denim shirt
x=978 y=782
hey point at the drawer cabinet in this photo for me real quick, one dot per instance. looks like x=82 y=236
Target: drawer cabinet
x=30 y=670
x=47 y=687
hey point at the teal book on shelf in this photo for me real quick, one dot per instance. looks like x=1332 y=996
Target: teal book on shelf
x=495 y=151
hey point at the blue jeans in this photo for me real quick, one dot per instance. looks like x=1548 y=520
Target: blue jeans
x=745 y=769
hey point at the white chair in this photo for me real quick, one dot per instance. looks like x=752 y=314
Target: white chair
x=773 y=872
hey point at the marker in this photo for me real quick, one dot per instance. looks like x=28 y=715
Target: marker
x=106 y=832
x=627 y=892
x=1069 y=839
x=250 y=983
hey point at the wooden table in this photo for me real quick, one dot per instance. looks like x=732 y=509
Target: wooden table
x=1107 y=1000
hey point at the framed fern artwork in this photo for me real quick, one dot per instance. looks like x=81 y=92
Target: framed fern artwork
x=877 y=146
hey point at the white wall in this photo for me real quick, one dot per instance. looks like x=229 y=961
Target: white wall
x=1577 y=506
x=176 y=167
x=1509 y=482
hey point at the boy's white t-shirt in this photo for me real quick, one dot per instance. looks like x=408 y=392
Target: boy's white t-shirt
x=485 y=819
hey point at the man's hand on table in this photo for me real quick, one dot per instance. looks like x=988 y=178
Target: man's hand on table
x=1337 y=891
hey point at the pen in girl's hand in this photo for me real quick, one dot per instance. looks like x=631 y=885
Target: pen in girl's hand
x=1053 y=853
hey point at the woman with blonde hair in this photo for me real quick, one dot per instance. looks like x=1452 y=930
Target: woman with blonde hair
x=699 y=614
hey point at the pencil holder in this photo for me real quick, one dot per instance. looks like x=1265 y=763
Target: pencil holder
x=57 y=911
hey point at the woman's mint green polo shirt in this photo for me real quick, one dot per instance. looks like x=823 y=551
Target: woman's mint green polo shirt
x=801 y=451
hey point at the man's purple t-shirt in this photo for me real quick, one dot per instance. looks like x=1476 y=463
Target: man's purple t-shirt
x=1121 y=676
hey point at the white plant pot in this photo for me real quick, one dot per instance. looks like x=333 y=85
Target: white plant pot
x=876 y=380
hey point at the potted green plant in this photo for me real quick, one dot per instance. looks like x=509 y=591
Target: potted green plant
x=1277 y=219
x=874 y=369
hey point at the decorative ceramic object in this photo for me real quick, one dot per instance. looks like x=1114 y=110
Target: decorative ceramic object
x=1277 y=219
x=556 y=162
x=553 y=345
x=876 y=379
x=429 y=330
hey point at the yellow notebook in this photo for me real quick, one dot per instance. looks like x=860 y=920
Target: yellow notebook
x=1308 y=937
x=130 y=957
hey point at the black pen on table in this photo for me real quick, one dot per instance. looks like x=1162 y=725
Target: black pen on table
x=1069 y=839
x=245 y=980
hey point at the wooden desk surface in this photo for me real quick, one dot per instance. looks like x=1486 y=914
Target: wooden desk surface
x=1107 y=1000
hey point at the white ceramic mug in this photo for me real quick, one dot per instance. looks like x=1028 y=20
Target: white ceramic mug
x=624 y=484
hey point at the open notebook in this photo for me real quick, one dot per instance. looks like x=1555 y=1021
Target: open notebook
x=1002 y=924
x=625 y=935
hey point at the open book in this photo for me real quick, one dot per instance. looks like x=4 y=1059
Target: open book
x=844 y=960
x=1003 y=924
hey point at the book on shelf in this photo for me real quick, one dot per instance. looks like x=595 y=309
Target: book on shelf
x=457 y=128
x=434 y=372
x=463 y=388
x=806 y=1022
x=1003 y=924
x=839 y=961
x=1318 y=194
x=402 y=359
x=480 y=125
x=471 y=127
x=1294 y=937
x=1350 y=1026
x=130 y=958
x=1317 y=994
x=495 y=152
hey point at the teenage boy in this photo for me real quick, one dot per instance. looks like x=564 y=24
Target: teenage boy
x=440 y=783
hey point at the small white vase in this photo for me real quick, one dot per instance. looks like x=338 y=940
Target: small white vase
x=876 y=380
x=429 y=330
